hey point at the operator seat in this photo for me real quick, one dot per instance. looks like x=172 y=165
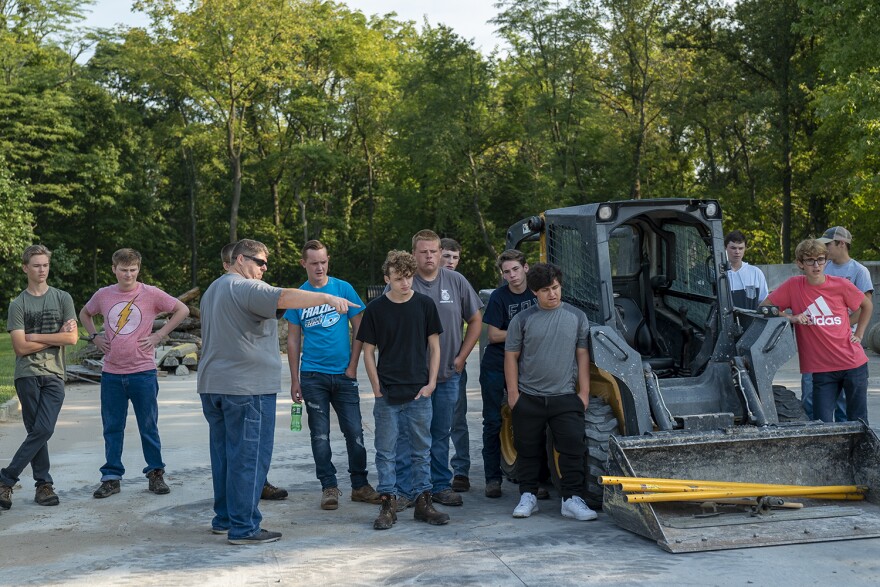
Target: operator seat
x=637 y=333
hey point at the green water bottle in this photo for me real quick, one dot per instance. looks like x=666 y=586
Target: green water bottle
x=296 y=412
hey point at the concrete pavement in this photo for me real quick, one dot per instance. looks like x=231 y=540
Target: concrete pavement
x=137 y=538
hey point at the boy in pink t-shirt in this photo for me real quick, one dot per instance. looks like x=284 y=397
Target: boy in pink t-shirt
x=820 y=305
x=129 y=373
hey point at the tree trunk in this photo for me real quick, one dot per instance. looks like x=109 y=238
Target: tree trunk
x=481 y=222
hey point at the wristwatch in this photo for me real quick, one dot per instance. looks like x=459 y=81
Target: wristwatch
x=91 y=337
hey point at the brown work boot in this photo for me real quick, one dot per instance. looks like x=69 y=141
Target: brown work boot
x=366 y=494
x=157 y=482
x=426 y=513
x=330 y=498
x=447 y=497
x=404 y=502
x=461 y=483
x=5 y=496
x=388 y=513
x=272 y=493
x=45 y=495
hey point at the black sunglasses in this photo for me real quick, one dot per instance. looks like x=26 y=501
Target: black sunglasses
x=258 y=261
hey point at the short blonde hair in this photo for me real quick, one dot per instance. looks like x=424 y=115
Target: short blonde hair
x=810 y=248
x=126 y=257
x=402 y=262
x=425 y=235
x=33 y=251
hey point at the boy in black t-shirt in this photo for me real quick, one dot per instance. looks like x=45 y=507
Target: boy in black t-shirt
x=405 y=327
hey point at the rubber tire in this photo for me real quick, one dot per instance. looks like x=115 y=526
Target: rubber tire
x=788 y=406
x=600 y=424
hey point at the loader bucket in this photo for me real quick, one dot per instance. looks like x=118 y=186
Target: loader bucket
x=791 y=454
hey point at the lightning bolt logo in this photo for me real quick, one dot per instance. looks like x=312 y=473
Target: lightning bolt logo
x=124 y=315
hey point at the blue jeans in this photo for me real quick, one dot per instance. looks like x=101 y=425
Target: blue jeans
x=41 y=397
x=320 y=391
x=827 y=388
x=461 y=440
x=142 y=390
x=241 y=430
x=807 y=399
x=443 y=404
x=392 y=420
x=492 y=389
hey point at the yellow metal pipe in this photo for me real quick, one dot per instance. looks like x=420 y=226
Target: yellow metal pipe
x=693 y=483
x=814 y=492
x=664 y=488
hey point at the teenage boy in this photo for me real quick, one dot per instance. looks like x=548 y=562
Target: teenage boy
x=450 y=255
x=505 y=302
x=270 y=492
x=837 y=240
x=547 y=372
x=748 y=285
x=327 y=376
x=41 y=321
x=820 y=305
x=129 y=374
x=405 y=328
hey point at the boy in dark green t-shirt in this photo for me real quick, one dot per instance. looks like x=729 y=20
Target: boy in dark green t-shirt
x=41 y=321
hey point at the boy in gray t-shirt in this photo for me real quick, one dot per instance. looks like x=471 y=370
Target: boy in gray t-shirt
x=547 y=372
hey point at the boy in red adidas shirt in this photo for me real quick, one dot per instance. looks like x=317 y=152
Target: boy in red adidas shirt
x=129 y=374
x=827 y=348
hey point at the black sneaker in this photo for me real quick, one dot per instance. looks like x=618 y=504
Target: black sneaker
x=5 y=496
x=261 y=537
x=45 y=495
x=542 y=493
x=106 y=489
x=493 y=489
x=157 y=482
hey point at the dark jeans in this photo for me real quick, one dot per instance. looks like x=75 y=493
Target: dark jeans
x=241 y=430
x=320 y=391
x=461 y=440
x=827 y=387
x=807 y=399
x=142 y=390
x=564 y=414
x=492 y=389
x=41 y=398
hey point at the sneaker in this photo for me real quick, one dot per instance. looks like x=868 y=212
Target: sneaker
x=107 y=489
x=542 y=493
x=261 y=537
x=272 y=493
x=220 y=531
x=574 y=507
x=157 y=482
x=5 y=496
x=45 y=495
x=493 y=489
x=330 y=498
x=403 y=503
x=460 y=483
x=528 y=505
x=366 y=494
x=447 y=497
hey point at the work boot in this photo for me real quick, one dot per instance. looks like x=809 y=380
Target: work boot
x=45 y=495
x=447 y=497
x=493 y=489
x=106 y=489
x=461 y=483
x=425 y=511
x=388 y=513
x=366 y=494
x=404 y=502
x=542 y=493
x=330 y=498
x=157 y=482
x=272 y=493
x=5 y=496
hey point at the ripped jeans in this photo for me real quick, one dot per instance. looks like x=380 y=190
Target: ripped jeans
x=320 y=391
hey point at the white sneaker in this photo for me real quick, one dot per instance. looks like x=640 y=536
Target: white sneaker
x=574 y=507
x=528 y=505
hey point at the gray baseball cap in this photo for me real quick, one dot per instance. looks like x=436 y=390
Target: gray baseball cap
x=835 y=233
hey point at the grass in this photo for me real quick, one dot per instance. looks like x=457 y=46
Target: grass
x=7 y=364
x=7 y=368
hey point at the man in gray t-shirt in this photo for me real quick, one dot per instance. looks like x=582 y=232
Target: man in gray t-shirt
x=547 y=373
x=239 y=378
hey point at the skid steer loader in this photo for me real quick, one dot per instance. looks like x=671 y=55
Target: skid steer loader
x=681 y=381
